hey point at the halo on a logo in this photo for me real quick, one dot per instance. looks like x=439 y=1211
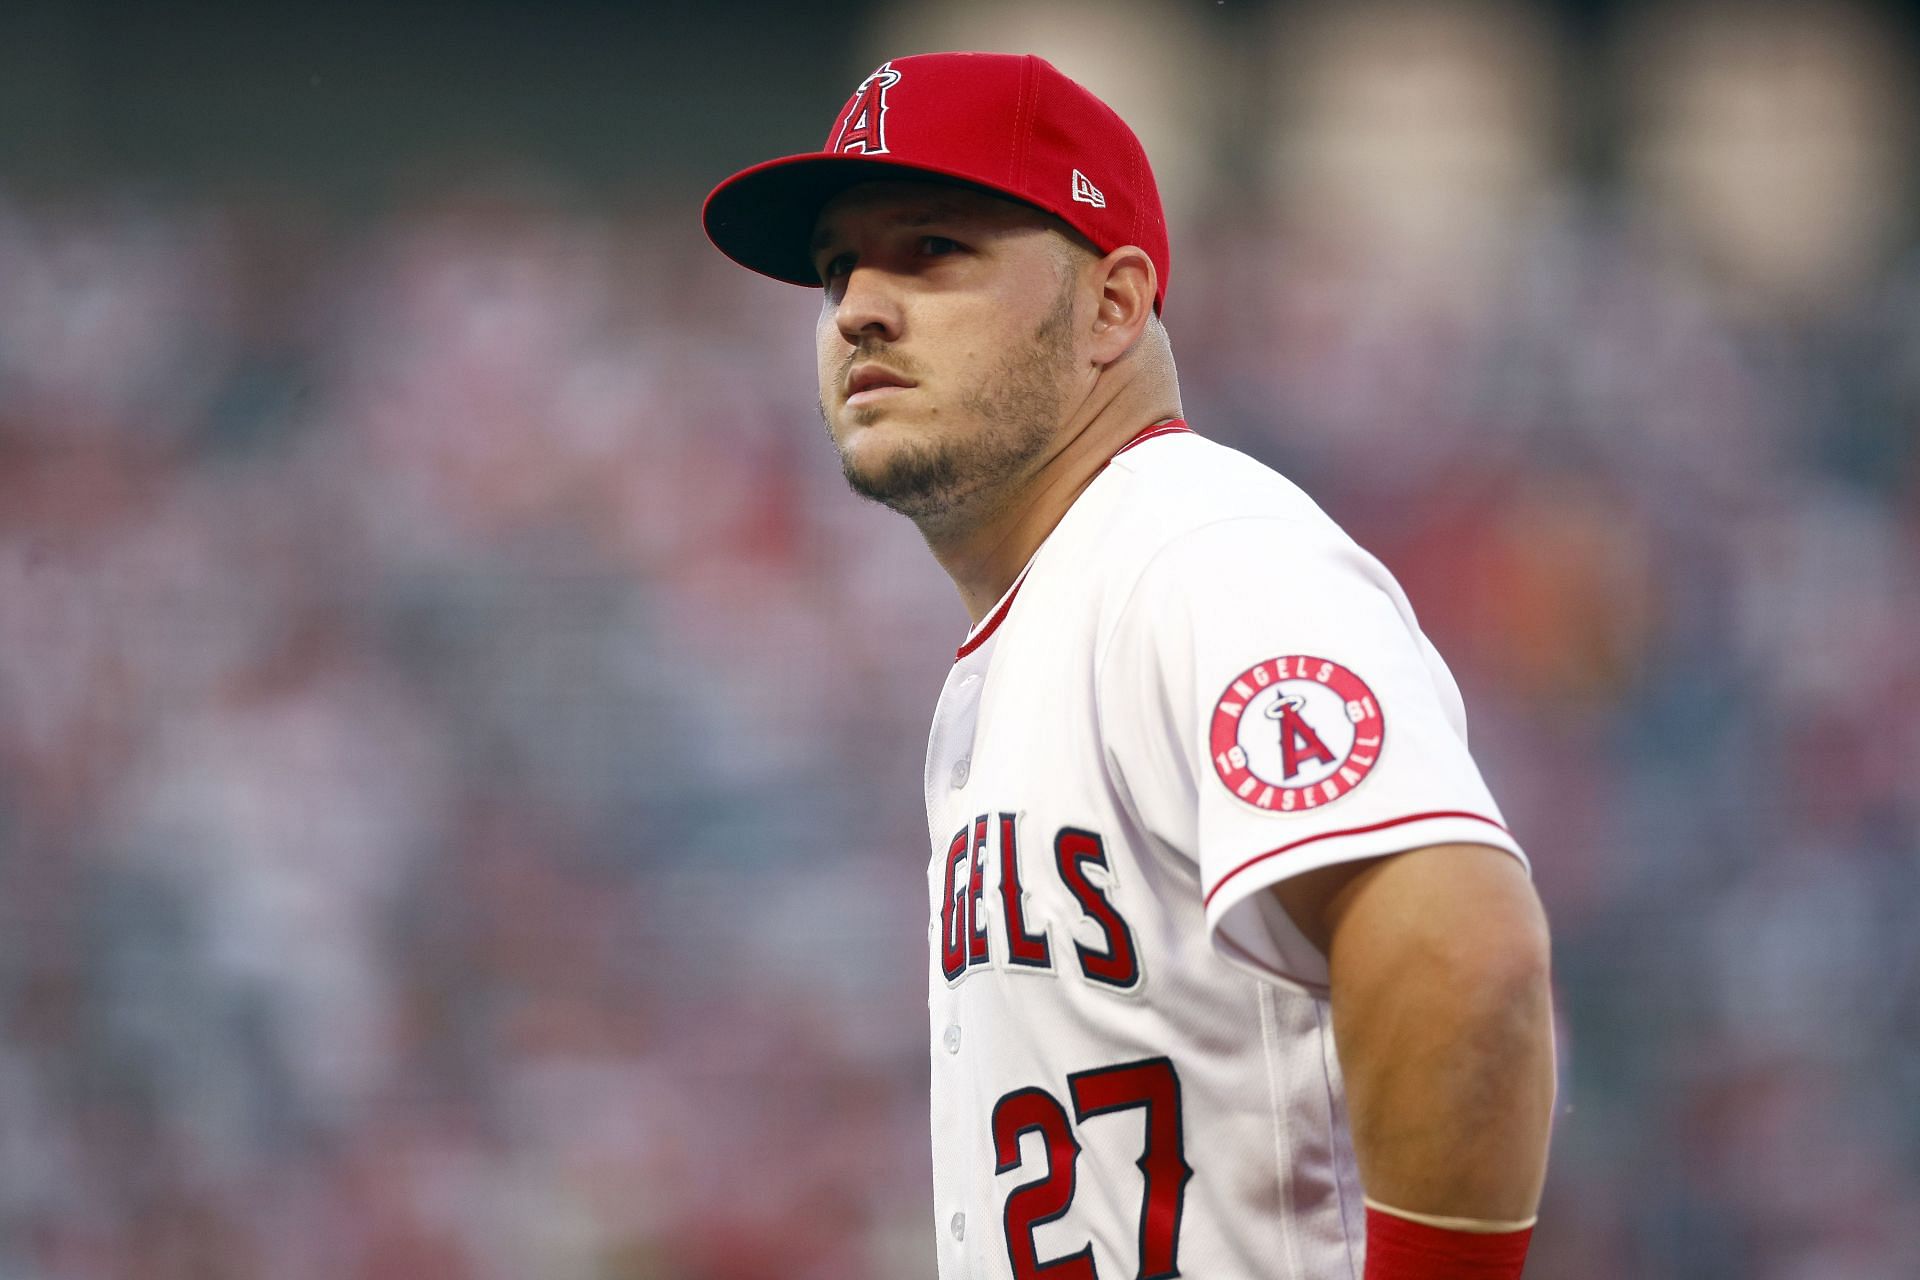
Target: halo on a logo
x=863 y=130
x=1295 y=733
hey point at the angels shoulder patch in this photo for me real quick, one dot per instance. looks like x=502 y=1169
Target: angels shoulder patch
x=1295 y=733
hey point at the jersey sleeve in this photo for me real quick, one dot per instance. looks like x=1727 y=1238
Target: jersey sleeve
x=1269 y=707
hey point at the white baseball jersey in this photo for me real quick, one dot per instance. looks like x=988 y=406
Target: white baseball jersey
x=1199 y=687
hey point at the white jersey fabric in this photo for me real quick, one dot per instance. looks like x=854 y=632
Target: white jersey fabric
x=1199 y=687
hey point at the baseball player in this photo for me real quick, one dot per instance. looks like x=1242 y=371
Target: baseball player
x=1234 y=970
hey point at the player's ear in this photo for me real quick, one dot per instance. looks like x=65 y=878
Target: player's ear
x=1127 y=283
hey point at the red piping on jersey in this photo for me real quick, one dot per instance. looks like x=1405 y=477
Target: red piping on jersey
x=1350 y=831
x=999 y=616
x=1175 y=427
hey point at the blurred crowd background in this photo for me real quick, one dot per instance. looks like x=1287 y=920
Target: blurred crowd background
x=459 y=741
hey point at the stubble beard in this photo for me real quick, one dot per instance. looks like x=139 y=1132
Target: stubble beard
x=942 y=482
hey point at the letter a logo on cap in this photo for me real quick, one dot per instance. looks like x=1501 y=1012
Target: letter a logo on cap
x=865 y=130
x=1086 y=193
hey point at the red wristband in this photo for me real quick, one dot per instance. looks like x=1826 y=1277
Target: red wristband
x=1401 y=1250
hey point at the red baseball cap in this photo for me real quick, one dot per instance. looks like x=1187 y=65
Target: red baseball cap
x=1009 y=123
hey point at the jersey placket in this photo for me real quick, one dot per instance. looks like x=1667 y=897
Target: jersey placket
x=964 y=1228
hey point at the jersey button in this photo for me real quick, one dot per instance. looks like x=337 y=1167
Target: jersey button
x=952 y=1038
x=959 y=1225
x=962 y=768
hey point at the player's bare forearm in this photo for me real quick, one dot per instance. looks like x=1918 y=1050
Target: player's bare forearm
x=1443 y=1018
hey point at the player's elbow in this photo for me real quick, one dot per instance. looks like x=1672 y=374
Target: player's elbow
x=1510 y=952
x=1502 y=966
x=1470 y=916
x=1449 y=937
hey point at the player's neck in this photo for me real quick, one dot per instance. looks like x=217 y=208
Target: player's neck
x=986 y=551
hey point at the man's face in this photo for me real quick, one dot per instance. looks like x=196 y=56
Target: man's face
x=947 y=345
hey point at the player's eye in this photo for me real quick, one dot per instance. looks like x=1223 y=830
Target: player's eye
x=836 y=267
x=938 y=246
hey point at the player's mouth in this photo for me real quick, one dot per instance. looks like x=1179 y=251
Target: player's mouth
x=871 y=383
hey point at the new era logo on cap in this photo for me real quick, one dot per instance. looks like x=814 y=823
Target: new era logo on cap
x=1086 y=193
x=1011 y=124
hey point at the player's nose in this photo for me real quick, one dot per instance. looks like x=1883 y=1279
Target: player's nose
x=869 y=307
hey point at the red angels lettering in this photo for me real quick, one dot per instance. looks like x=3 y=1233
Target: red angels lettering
x=976 y=889
x=1119 y=965
x=967 y=939
x=1316 y=737
x=1024 y=947
x=863 y=127
x=953 y=919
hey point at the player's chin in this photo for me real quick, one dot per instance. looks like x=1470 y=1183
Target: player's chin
x=907 y=475
x=874 y=439
x=871 y=459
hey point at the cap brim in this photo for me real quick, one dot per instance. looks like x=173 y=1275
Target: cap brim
x=763 y=217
